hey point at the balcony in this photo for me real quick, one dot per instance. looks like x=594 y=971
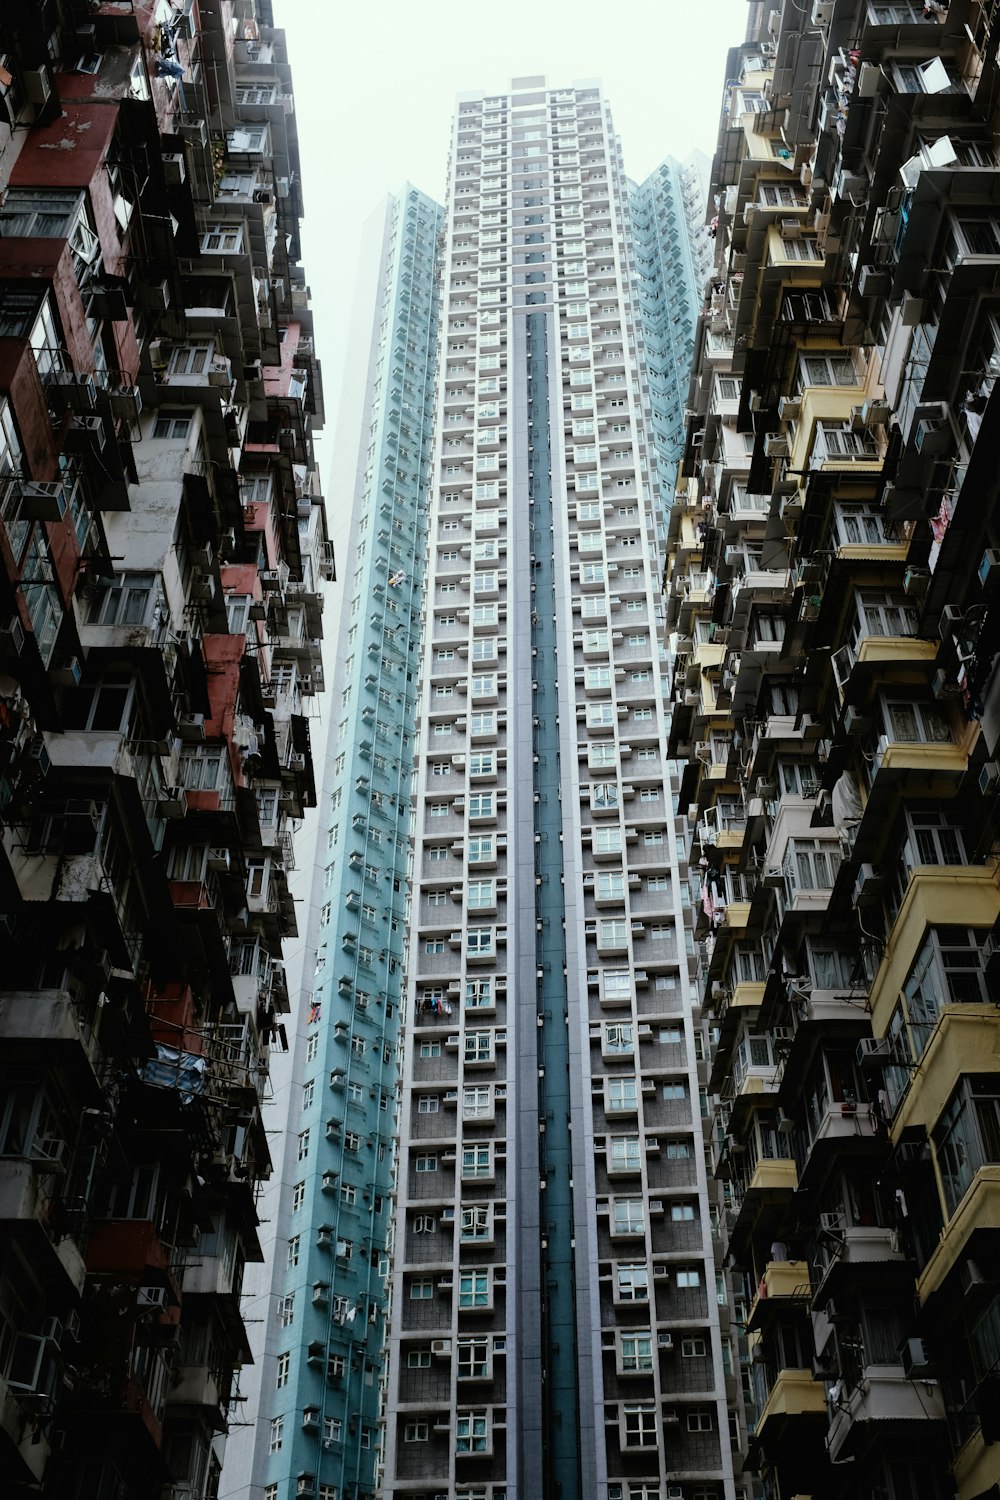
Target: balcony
x=978 y=1215
x=46 y=1019
x=795 y=1409
x=965 y=895
x=26 y=1213
x=784 y=1284
x=857 y=1255
x=855 y=663
x=885 y=1395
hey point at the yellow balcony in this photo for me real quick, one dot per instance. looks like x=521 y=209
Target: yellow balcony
x=962 y=895
x=964 y=1040
x=783 y=1281
x=774 y=1174
x=737 y=915
x=748 y=995
x=976 y=1467
x=945 y=761
x=872 y=552
x=794 y=1394
x=979 y=1209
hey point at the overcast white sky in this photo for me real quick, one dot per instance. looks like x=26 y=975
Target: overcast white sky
x=375 y=87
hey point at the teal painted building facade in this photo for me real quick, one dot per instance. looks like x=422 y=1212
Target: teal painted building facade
x=317 y=1425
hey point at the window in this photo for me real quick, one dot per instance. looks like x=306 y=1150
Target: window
x=622 y=1096
x=479 y=942
x=294 y=1248
x=477 y=1161
x=418 y=1359
x=688 y=1277
x=437 y=852
x=286 y=1310
x=636 y=1352
x=428 y=1104
x=675 y=1088
x=623 y=1153
x=434 y=945
x=617 y=984
x=627 y=1216
x=476 y=1223
x=298 y=1196
x=478 y=994
x=477 y=1102
x=693 y=1348
x=618 y=1038
x=640 y=1424
x=172 y=425
x=430 y=1049
x=480 y=895
x=308 y=1093
x=312 y=1047
x=472 y=1433
x=700 y=1421
x=678 y=1151
x=682 y=1213
x=425 y=1163
x=473 y=1362
x=474 y=1289
x=424 y=1224
x=421 y=1289
x=277 y=1435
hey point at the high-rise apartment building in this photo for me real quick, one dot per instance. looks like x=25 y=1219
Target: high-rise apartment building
x=162 y=555
x=555 y=1319
x=674 y=254
x=324 y=1306
x=835 y=597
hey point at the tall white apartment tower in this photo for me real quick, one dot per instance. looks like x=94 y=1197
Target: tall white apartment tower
x=555 y=1324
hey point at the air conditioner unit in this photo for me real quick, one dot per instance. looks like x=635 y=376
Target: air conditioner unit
x=989 y=568
x=789 y=407
x=822 y=12
x=873 y=281
x=49 y=1154
x=776 y=445
x=832 y=1223
x=174 y=170
x=875 y=413
x=297 y=761
x=11 y=639
x=989 y=778
x=931 y=430
x=85 y=435
x=36 y=85
x=447 y=1216
x=867 y=886
x=151 y=1296
x=305 y=1484
x=270 y=579
x=664 y=1341
x=191 y=726
x=790 y=229
x=785 y=1126
x=675 y=1492
x=872 y=1049
x=970 y=1277
x=441 y=1348
x=855 y=722
x=915 y=1359
x=42 y=502
x=218 y=859
x=916 y=581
